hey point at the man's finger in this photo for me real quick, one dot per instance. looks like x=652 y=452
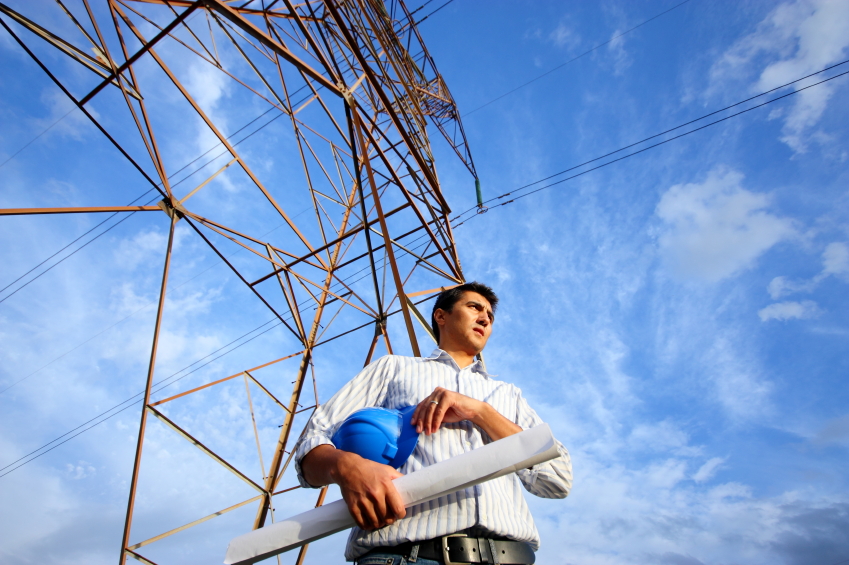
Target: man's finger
x=370 y=520
x=431 y=410
x=379 y=505
x=395 y=503
x=438 y=415
x=418 y=414
x=356 y=515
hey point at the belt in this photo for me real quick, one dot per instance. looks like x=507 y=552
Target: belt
x=456 y=549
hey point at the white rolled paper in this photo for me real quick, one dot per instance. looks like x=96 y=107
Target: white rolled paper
x=494 y=460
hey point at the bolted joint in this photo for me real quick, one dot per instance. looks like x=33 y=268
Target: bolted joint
x=172 y=208
x=380 y=325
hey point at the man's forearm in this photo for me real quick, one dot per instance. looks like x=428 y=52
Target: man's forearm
x=494 y=423
x=366 y=486
x=320 y=466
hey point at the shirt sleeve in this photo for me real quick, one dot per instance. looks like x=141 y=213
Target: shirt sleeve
x=368 y=388
x=552 y=479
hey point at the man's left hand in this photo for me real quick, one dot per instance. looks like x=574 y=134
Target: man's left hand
x=444 y=406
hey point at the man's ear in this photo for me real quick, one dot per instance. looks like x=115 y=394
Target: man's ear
x=439 y=316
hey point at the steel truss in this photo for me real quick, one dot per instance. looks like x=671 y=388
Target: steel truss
x=357 y=87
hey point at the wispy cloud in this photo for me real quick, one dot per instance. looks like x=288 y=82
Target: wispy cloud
x=738 y=382
x=835 y=263
x=795 y=39
x=565 y=36
x=709 y=469
x=717 y=228
x=789 y=311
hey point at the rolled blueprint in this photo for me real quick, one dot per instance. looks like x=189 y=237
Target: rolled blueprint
x=494 y=460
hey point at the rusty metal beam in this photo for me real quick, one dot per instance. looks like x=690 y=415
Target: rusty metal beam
x=148 y=386
x=77 y=210
x=68 y=49
x=232 y=15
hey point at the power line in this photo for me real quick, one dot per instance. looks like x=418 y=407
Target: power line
x=134 y=397
x=34 y=139
x=68 y=256
x=400 y=255
x=560 y=66
x=132 y=314
x=67 y=246
x=474 y=208
x=435 y=11
x=420 y=7
x=141 y=196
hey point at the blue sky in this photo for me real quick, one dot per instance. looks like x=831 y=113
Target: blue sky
x=676 y=317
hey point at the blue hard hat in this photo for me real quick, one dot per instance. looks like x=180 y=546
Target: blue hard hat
x=384 y=435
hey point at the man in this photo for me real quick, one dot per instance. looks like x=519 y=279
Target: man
x=460 y=407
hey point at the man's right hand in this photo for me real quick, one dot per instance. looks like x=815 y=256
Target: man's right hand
x=368 y=491
x=366 y=486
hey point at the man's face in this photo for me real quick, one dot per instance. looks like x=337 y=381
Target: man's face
x=468 y=326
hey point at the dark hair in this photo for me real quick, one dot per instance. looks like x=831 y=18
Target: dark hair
x=448 y=298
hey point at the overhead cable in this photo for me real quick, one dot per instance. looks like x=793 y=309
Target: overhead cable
x=435 y=11
x=138 y=198
x=516 y=190
x=162 y=384
x=27 y=458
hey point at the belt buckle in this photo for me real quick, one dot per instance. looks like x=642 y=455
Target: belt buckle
x=444 y=542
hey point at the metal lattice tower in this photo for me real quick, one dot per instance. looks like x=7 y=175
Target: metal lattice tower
x=357 y=88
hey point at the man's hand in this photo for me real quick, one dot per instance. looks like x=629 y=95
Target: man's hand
x=444 y=406
x=366 y=486
x=368 y=491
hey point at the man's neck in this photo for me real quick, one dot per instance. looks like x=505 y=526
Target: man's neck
x=462 y=358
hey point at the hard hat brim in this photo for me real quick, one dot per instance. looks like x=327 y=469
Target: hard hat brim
x=408 y=439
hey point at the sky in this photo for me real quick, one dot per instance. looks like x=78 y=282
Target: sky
x=679 y=317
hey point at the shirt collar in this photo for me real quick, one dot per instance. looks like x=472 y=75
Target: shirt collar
x=440 y=355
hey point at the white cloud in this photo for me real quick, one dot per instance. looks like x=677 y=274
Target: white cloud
x=143 y=247
x=738 y=382
x=789 y=311
x=209 y=87
x=79 y=471
x=794 y=40
x=64 y=119
x=663 y=436
x=709 y=469
x=782 y=286
x=718 y=228
x=565 y=36
x=616 y=48
x=835 y=262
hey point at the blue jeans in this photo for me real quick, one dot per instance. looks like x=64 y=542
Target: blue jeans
x=390 y=559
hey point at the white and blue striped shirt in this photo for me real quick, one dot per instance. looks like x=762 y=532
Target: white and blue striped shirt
x=498 y=506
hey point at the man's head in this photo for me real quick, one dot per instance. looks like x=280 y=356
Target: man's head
x=470 y=296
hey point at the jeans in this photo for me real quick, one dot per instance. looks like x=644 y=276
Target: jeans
x=390 y=559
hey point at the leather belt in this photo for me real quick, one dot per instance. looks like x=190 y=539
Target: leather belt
x=456 y=549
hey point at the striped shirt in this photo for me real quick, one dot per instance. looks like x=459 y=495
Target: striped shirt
x=496 y=507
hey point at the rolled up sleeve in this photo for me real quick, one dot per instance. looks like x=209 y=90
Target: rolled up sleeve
x=552 y=479
x=368 y=388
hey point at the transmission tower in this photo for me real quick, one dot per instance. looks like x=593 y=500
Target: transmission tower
x=356 y=88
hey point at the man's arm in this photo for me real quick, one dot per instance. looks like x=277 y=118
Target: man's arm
x=447 y=407
x=366 y=486
x=368 y=491
x=552 y=479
